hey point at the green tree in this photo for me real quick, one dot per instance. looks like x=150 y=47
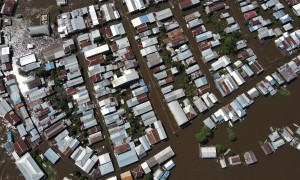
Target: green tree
x=201 y=138
x=148 y=177
x=203 y=135
x=41 y=72
x=229 y=42
x=231 y=135
x=23 y=73
x=221 y=149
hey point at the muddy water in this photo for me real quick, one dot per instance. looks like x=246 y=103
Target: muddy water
x=264 y=113
x=276 y=111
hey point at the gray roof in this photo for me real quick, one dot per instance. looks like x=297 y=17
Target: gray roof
x=39 y=30
x=128 y=157
x=51 y=156
x=29 y=168
x=106 y=168
x=209 y=123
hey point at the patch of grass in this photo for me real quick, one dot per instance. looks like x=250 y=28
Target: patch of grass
x=231 y=135
x=284 y=92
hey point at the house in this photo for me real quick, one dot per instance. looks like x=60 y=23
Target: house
x=8 y=7
x=267 y=148
x=234 y=160
x=21 y=147
x=51 y=156
x=287 y=73
x=145 y=168
x=238 y=108
x=164 y=155
x=126 y=176
x=83 y=159
x=105 y=164
x=29 y=168
x=237 y=77
x=61 y=2
x=214 y=7
x=110 y=11
x=114 y=30
x=137 y=172
x=54 y=129
x=27 y=59
x=186 y=4
x=209 y=123
x=127 y=157
x=178 y=113
x=222 y=62
x=163 y=14
x=208 y=152
x=250 y=157
x=39 y=30
x=128 y=76
x=169 y=165
x=135 y=5
x=296 y=9
x=174 y=95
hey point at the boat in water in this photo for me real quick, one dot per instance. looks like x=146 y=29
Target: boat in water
x=165 y=175
x=10 y=137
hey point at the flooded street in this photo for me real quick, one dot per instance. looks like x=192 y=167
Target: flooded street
x=275 y=111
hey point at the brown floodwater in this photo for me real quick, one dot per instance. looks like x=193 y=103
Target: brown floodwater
x=275 y=111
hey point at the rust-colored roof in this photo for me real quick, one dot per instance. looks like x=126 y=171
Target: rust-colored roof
x=21 y=147
x=8 y=7
x=153 y=136
x=93 y=130
x=137 y=172
x=12 y=118
x=121 y=149
x=94 y=60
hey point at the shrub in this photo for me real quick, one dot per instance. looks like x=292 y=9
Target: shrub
x=231 y=135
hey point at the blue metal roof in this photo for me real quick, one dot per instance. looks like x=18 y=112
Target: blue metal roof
x=51 y=156
x=144 y=19
x=50 y=66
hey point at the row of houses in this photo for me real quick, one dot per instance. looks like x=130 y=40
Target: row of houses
x=87 y=17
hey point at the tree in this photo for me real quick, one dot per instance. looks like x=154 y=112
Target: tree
x=229 y=44
x=221 y=149
x=231 y=135
x=204 y=134
x=201 y=138
x=23 y=73
x=41 y=72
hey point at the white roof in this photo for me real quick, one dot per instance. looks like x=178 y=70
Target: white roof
x=129 y=75
x=146 y=168
x=97 y=50
x=237 y=77
x=208 y=152
x=104 y=158
x=29 y=168
x=177 y=112
x=27 y=59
